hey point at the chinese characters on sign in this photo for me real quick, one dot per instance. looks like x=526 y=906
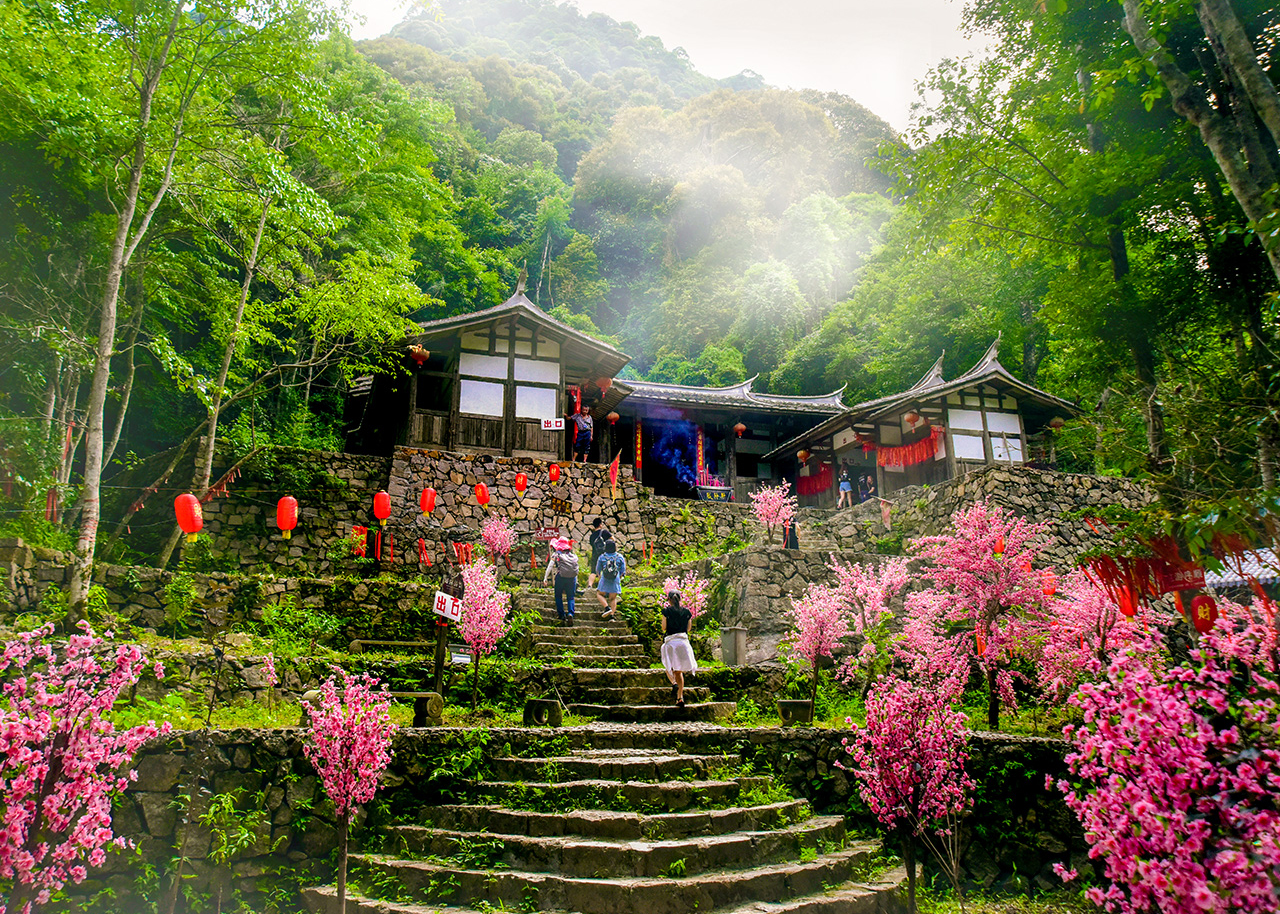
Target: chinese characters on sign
x=447 y=606
x=546 y=534
x=553 y=425
x=1189 y=578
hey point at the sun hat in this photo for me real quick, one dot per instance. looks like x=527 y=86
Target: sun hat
x=562 y=544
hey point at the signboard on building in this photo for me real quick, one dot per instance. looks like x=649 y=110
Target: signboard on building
x=447 y=606
x=553 y=425
x=547 y=534
x=1190 y=578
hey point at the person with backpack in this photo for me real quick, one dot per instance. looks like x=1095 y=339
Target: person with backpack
x=600 y=535
x=564 y=564
x=677 y=651
x=610 y=567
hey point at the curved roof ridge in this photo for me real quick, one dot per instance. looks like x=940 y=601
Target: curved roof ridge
x=933 y=377
x=834 y=398
x=742 y=388
x=989 y=362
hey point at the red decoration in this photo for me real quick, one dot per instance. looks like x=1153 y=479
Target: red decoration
x=190 y=517
x=463 y=552
x=1056 y=423
x=1049 y=582
x=522 y=482
x=866 y=442
x=816 y=483
x=419 y=354
x=287 y=515
x=482 y=494
x=424 y=557
x=428 y=501
x=912 y=418
x=359 y=540
x=739 y=428
x=51 y=505
x=553 y=472
x=1128 y=603
x=604 y=384
x=998 y=549
x=613 y=418
x=1204 y=612
x=802 y=455
x=910 y=454
x=382 y=507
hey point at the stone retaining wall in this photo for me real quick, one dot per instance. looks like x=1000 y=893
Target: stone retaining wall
x=295 y=831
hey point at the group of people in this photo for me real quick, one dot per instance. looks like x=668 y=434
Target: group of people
x=864 y=487
x=607 y=569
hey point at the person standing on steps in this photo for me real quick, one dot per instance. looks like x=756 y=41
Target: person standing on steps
x=600 y=535
x=585 y=429
x=846 y=487
x=677 y=651
x=610 y=567
x=564 y=565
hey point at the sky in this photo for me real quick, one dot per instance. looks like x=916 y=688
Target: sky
x=874 y=51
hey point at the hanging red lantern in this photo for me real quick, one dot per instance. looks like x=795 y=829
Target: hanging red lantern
x=912 y=418
x=613 y=418
x=1204 y=612
x=1057 y=422
x=553 y=472
x=1048 y=582
x=604 y=384
x=522 y=482
x=419 y=354
x=802 y=455
x=382 y=507
x=739 y=428
x=998 y=548
x=428 y=500
x=190 y=517
x=287 y=515
x=482 y=494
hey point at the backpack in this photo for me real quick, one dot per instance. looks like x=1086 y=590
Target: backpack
x=611 y=568
x=567 y=564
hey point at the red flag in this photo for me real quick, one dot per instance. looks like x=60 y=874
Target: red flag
x=613 y=474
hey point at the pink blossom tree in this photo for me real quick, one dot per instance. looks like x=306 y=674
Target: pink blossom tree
x=692 y=590
x=819 y=623
x=61 y=762
x=1179 y=770
x=774 y=506
x=349 y=745
x=908 y=761
x=866 y=590
x=499 y=538
x=976 y=611
x=484 y=615
x=1080 y=629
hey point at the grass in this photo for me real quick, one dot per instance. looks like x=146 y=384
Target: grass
x=1049 y=903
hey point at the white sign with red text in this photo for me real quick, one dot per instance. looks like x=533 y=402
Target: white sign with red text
x=447 y=606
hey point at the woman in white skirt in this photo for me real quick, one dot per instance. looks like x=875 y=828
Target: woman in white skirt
x=677 y=652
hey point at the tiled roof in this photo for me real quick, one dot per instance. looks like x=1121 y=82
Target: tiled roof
x=735 y=396
x=1260 y=564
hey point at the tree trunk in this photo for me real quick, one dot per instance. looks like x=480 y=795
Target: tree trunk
x=909 y=861
x=1238 y=49
x=475 y=679
x=993 y=701
x=343 y=825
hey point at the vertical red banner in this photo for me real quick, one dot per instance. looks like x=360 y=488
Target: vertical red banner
x=638 y=449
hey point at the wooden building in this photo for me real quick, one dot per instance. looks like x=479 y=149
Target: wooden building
x=933 y=431
x=496 y=381
x=687 y=443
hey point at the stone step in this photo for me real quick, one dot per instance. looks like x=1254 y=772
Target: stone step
x=591 y=650
x=592 y=663
x=582 y=634
x=608 y=823
x=649 y=714
x=590 y=793
x=703 y=892
x=612 y=859
x=603 y=677
x=885 y=896
x=639 y=695
x=631 y=765
x=585 y=613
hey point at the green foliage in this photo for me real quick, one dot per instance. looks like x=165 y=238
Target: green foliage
x=234 y=829
x=297 y=629
x=180 y=597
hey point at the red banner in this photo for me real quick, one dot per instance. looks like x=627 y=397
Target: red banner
x=910 y=454
x=816 y=483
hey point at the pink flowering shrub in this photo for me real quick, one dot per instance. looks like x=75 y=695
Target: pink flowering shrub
x=908 y=761
x=484 y=615
x=60 y=761
x=1248 y=633
x=774 y=506
x=499 y=538
x=1179 y=772
x=977 y=609
x=692 y=590
x=818 y=624
x=866 y=591
x=349 y=745
x=1080 y=629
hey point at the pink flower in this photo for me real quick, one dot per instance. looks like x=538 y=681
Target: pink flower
x=269 y=665
x=349 y=744
x=498 y=536
x=484 y=608
x=692 y=590
x=773 y=506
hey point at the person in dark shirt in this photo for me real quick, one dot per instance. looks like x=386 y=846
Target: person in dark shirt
x=599 y=536
x=677 y=651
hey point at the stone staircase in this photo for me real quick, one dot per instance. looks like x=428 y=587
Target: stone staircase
x=592 y=641
x=625 y=830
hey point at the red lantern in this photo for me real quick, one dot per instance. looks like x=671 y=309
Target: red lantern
x=802 y=455
x=739 y=428
x=482 y=494
x=613 y=418
x=998 y=549
x=1204 y=612
x=382 y=507
x=428 y=500
x=419 y=354
x=604 y=384
x=522 y=482
x=190 y=517
x=287 y=515
x=1049 y=582
x=553 y=472
x=912 y=418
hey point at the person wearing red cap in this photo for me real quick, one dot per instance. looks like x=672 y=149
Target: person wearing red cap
x=564 y=564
